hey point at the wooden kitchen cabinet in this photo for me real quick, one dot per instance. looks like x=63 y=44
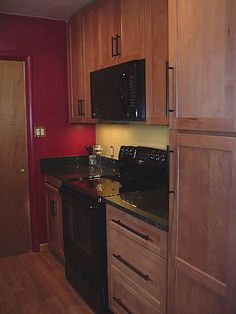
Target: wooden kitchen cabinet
x=131 y=30
x=82 y=59
x=75 y=68
x=121 y=31
x=202 y=255
x=107 y=29
x=54 y=220
x=156 y=55
x=202 y=49
x=116 y=31
x=136 y=264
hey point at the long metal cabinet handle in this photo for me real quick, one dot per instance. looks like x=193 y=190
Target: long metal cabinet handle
x=79 y=107
x=130 y=266
x=121 y=304
x=169 y=68
x=82 y=108
x=118 y=39
x=141 y=235
x=52 y=208
x=167 y=89
x=112 y=47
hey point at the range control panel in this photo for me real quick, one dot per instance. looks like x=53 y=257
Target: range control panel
x=144 y=155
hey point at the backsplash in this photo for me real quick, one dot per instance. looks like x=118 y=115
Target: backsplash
x=130 y=134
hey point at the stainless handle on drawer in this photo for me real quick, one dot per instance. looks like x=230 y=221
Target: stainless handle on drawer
x=121 y=304
x=141 y=235
x=138 y=272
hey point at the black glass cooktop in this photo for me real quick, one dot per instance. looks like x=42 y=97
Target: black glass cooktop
x=96 y=187
x=108 y=186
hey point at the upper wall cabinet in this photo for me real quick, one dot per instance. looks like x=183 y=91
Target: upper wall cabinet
x=156 y=54
x=117 y=31
x=121 y=31
x=108 y=32
x=82 y=58
x=202 y=49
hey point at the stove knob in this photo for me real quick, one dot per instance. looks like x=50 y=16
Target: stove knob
x=152 y=157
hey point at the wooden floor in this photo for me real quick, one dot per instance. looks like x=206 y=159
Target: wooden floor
x=34 y=283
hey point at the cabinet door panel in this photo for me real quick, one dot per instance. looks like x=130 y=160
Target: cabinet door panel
x=76 y=67
x=108 y=28
x=52 y=216
x=90 y=43
x=193 y=298
x=156 y=55
x=131 y=44
x=202 y=49
x=203 y=222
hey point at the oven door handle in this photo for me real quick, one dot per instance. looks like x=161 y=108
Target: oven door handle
x=141 y=235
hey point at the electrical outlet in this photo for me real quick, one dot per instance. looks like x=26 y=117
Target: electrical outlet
x=40 y=131
x=112 y=150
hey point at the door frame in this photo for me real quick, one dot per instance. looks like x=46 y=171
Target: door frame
x=14 y=56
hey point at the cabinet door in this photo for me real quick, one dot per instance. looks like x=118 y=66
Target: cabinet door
x=82 y=58
x=131 y=42
x=202 y=49
x=108 y=28
x=75 y=68
x=156 y=55
x=90 y=53
x=52 y=204
x=202 y=265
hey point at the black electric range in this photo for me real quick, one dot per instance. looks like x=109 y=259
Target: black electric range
x=141 y=186
x=141 y=169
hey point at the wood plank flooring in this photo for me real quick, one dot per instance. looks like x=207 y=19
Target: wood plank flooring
x=34 y=283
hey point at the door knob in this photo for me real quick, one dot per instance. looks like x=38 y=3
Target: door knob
x=22 y=168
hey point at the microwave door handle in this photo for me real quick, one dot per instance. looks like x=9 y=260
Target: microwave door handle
x=122 y=93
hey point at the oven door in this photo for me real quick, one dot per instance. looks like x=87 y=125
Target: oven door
x=84 y=235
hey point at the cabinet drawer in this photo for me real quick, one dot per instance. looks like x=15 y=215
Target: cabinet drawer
x=124 y=299
x=141 y=232
x=142 y=269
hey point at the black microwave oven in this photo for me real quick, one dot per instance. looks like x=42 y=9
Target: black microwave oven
x=118 y=92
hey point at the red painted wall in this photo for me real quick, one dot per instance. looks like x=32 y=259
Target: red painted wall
x=45 y=41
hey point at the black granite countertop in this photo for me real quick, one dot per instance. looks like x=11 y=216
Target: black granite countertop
x=149 y=206
x=65 y=168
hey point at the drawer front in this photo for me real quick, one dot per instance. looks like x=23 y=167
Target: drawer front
x=144 y=270
x=125 y=300
x=141 y=232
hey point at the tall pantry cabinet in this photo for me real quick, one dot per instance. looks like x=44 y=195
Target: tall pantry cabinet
x=202 y=104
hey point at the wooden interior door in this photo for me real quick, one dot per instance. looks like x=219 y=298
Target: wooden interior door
x=202 y=49
x=202 y=272
x=15 y=235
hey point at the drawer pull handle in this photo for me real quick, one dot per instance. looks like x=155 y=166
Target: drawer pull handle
x=138 y=272
x=141 y=235
x=121 y=304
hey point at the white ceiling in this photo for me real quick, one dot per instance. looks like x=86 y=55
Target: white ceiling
x=53 y=9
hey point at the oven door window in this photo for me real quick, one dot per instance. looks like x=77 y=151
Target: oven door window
x=84 y=236
x=81 y=234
